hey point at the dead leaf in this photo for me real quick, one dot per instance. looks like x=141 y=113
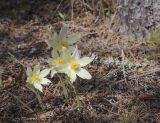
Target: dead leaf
x=140 y=69
x=42 y=116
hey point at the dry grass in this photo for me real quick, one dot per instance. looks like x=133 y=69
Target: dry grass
x=125 y=84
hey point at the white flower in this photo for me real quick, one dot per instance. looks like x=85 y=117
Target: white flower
x=57 y=60
x=37 y=77
x=58 y=42
x=73 y=66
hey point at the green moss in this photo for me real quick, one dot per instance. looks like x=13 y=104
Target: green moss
x=154 y=38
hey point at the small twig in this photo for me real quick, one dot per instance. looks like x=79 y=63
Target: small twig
x=123 y=67
x=58 y=7
x=143 y=74
x=130 y=52
x=106 y=109
x=87 y=6
x=134 y=76
x=38 y=97
x=20 y=101
x=75 y=92
x=16 y=59
x=72 y=13
x=140 y=75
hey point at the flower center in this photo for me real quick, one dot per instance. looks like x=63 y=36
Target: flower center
x=58 y=60
x=62 y=43
x=73 y=64
x=35 y=77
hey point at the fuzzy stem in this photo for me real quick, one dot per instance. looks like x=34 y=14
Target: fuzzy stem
x=76 y=95
x=65 y=92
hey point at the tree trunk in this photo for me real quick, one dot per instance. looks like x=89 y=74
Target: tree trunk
x=138 y=17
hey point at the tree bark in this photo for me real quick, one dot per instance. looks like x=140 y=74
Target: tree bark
x=138 y=17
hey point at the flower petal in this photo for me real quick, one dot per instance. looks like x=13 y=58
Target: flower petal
x=62 y=68
x=44 y=72
x=51 y=42
x=29 y=80
x=63 y=32
x=50 y=61
x=72 y=75
x=45 y=81
x=53 y=72
x=73 y=38
x=76 y=53
x=54 y=53
x=55 y=37
x=66 y=55
x=84 y=61
x=36 y=69
x=29 y=71
x=71 y=48
x=83 y=73
x=38 y=86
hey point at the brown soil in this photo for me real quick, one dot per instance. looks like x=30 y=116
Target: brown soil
x=116 y=93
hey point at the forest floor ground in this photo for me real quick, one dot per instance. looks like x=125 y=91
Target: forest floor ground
x=125 y=86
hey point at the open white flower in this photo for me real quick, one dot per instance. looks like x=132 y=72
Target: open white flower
x=73 y=66
x=60 y=41
x=57 y=61
x=36 y=77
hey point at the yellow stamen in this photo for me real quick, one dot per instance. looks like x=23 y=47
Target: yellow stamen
x=73 y=64
x=62 y=43
x=35 y=77
x=58 y=60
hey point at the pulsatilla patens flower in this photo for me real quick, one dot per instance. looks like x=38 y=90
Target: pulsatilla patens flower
x=73 y=65
x=57 y=61
x=37 y=78
x=61 y=40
